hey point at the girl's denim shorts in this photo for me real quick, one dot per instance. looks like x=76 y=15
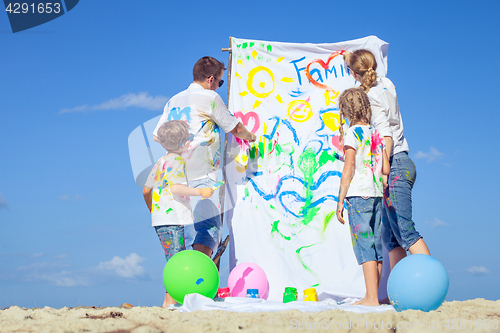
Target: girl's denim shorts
x=365 y=219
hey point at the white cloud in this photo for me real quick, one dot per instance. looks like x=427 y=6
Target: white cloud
x=481 y=270
x=59 y=272
x=64 y=279
x=42 y=266
x=141 y=100
x=67 y=197
x=61 y=256
x=3 y=202
x=127 y=268
x=432 y=155
x=437 y=223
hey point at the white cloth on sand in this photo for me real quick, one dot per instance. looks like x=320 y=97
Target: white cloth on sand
x=193 y=302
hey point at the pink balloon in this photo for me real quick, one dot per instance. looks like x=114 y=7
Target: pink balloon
x=245 y=276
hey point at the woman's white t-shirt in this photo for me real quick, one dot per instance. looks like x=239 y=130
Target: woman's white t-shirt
x=386 y=117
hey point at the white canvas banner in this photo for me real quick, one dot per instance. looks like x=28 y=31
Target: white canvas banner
x=282 y=190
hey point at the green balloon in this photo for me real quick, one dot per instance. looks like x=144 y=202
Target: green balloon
x=189 y=272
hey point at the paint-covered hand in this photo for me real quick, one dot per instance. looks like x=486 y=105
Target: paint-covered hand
x=206 y=192
x=384 y=181
x=340 y=212
x=252 y=137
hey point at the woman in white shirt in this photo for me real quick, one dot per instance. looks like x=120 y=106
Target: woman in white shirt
x=398 y=232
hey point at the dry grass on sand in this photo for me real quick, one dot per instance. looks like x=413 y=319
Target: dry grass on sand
x=474 y=315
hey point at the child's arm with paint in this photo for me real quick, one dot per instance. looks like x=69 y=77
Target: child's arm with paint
x=146 y=193
x=180 y=189
x=345 y=180
x=179 y=182
x=147 y=190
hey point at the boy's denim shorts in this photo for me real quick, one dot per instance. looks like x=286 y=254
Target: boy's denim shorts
x=171 y=238
x=207 y=227
x=398 y=228
x=365 y=219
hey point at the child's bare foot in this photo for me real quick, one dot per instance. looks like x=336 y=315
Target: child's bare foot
x=367 y=302
x=168 y=301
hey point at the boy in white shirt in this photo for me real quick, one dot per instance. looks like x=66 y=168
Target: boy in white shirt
x=166 y=192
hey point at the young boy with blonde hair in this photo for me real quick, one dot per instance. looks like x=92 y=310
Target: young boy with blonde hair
x=166 y=192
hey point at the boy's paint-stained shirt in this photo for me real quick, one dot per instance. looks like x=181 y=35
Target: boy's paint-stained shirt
x=168 y=208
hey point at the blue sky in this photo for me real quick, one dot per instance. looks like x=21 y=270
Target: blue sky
x=74 y=227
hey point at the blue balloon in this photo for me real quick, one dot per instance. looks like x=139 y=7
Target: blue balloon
x=417 y=282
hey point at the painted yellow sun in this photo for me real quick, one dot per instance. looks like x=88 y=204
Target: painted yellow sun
x=260 y=81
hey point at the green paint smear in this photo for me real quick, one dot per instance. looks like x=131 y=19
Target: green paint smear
x=366 y=234
x=272 y=207
x=311 y=212
x=245 y=45
x=246 y=192
x=275 y=230
x=269 y=48
x=326 y=221
x=169 y=210
x=325 y=157
x=213 y=105
x=261 y=149
x=252 y=44
x=279 y=149
x=181 y=240
x=252 y=152
x=309 y=166
x=309 y=270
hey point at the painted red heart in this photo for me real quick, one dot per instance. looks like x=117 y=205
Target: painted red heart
x=325 y=66
x=246 y=117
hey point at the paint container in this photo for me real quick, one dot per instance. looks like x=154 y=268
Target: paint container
x=290 y=294
x=253 y=293
x=310 y=295
x=224 y=292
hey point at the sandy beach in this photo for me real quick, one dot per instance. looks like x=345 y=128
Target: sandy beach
x=477 y=315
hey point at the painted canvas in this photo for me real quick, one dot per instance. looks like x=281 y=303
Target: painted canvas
x=282 y=190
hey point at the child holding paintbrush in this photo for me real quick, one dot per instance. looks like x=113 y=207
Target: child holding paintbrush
x=166 y=192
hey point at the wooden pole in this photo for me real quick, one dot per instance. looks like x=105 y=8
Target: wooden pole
x=222 y=192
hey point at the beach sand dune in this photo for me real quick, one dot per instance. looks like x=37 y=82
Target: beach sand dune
x=477 y=315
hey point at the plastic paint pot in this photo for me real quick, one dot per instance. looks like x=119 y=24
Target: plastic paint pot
x=310 y=295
